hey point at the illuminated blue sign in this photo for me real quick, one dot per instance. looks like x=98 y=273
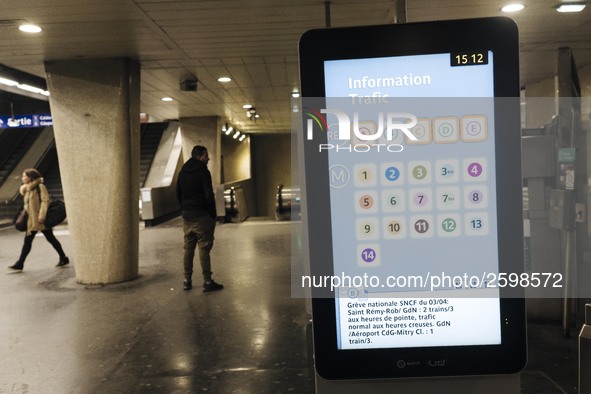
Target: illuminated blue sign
x=9 y=122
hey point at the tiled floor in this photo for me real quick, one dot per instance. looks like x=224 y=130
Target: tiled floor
x=150 y=336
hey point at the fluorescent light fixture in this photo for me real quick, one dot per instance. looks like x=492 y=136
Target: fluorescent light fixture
x=8 y=82
x=28 y=28
x=224 y=79
x=22 y=86
x=295 y=94
x=247 y=106
x=514 y=7
x=242 y=137
x=571 y=7
x=236 y=134
x=30 y=88
x=229 y=131
x=167 y=99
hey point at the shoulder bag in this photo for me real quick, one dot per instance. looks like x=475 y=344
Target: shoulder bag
x=20 y=220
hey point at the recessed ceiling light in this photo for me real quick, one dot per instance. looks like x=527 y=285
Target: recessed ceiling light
x=30 y=28
x=514 y=7
x=224 y=79
x=167 y=99
x=295 y=94
x=571 y=7
x=247 y=106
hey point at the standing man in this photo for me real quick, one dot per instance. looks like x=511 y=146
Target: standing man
x=195 y=195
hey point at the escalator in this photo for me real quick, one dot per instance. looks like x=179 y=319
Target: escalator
x=150 y=136
x=50 y=169
x=14 y=143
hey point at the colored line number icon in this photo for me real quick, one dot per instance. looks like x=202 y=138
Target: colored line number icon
x=421 y=226
x=368 y=255
x=475 y=196
x=419 y=172
x=394 y=227
x=474 y=169
x=449 y=225
x=420 y=199
x=392 y=174
x=366 y=201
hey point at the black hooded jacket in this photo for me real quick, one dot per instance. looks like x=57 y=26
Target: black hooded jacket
x=195 y=190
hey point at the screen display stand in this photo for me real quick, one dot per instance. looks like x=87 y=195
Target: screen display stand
x=492 y=384
x=412 y=177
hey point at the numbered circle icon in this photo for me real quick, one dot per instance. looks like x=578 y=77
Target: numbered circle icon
x=366 y=201
x=419 y=172
x=421 y=226
x=392 y=174
x=449 y=225
x=368 y=255
x=474 y=170
x=475 y=197
x=420 y=199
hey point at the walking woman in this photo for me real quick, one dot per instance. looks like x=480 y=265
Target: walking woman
x=36 y=199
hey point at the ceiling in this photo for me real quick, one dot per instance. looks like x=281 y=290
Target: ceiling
x=254 y=42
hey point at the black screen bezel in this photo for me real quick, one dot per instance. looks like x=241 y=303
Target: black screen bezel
x=500 y=36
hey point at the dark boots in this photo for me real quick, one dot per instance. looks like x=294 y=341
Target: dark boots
x=18 y=266
x=63 y=261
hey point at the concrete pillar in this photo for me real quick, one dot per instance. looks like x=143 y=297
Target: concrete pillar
x=95 y=109
x=204 y=131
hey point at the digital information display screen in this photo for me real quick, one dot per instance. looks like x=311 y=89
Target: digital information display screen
x=424 y=209
x=412 y=165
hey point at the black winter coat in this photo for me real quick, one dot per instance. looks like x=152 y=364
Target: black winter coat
x=195 y=190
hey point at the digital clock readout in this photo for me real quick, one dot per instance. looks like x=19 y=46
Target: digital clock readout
x=468 y=58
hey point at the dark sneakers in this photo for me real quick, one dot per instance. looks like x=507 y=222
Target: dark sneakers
x=63 y=261
x=212 y=286
x=207 y=286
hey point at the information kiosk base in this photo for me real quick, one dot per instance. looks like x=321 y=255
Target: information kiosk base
x=494 y=384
